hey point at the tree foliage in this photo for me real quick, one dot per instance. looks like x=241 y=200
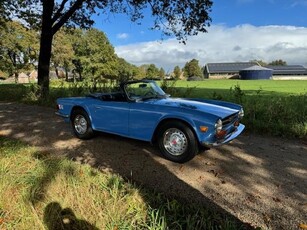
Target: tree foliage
x=18 y=48
x=161 y=73
x=152 y=71
x=95 y=54
x=177 y=72
x=62 y=52
x=192 y=69
x=75 y=53
x=179 y=17
x=279 y=62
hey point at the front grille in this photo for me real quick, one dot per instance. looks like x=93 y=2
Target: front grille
x=230 y=119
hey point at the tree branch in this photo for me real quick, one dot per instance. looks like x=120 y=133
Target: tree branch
x=58 y=13
x=67 y=15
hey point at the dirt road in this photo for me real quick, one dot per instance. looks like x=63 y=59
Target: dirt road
x=259 y=180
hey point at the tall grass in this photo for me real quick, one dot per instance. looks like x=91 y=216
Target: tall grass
x=42 y=191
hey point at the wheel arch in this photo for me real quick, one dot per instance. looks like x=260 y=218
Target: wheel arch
x=79 y=107
x=165 y=120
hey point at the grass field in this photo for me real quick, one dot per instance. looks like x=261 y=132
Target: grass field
x=42 y=191
x=269 y=86
x=221 y=88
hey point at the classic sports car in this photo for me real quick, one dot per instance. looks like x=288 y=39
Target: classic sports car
x=142 y=110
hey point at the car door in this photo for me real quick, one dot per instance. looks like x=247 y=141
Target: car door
x=143 y=119
x=111 y=116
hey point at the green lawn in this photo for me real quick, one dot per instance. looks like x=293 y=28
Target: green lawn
x=250 y=86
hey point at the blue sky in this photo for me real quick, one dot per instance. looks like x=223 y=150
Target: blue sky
x=241 y=30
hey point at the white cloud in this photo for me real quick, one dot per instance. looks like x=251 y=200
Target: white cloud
x=299 y=3
x=223 y=44
x=122 y=36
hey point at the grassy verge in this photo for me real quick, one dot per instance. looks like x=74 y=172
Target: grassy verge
x=41 y=191
x=271 y=107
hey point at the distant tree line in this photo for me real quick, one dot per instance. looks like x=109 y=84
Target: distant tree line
x=77 y=54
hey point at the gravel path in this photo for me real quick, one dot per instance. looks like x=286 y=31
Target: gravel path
x=259 y=180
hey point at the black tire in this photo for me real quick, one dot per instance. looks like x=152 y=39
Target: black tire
x=81 y=124
x=177 y=142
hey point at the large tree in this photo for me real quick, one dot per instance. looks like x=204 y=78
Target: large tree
x=178 y=17
x=95 y=54
x=177 y=72
x=192 y=69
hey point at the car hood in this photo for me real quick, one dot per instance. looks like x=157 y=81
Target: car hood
x=209 y=106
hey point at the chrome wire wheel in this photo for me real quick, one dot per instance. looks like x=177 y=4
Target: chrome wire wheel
x=80 y=124
x=175 y=141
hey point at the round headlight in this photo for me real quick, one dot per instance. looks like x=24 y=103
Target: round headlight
x=218 y=125
x=241 y=113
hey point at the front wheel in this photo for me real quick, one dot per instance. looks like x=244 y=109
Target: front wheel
x=177 y=142
x=81 y=124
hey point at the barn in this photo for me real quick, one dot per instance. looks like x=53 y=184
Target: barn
x=231 y=70
x=225 y=70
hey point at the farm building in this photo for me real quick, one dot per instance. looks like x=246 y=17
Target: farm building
x=225 y=70
x=23 y=78
x=256 y=73
x=289 y=72
x=232 y=70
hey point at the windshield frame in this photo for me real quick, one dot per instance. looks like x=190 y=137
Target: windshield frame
x=151 y=90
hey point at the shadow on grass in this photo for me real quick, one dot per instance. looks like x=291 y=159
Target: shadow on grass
x=58 y=218
x=39 y=181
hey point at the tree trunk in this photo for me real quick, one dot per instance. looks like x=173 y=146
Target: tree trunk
x=45 y=49
x=16 y=77
x=66 y=74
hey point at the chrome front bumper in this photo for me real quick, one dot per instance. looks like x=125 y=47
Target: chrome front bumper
x=228 y=138
x=62 y=115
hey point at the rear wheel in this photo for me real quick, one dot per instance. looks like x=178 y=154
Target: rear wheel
x=81 y=124
x=177 y=142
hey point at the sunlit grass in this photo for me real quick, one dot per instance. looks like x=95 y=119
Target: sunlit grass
x=270 y=86
x=42 y=191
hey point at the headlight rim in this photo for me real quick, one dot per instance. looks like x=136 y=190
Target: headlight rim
x=241 y=113
x=218 y=125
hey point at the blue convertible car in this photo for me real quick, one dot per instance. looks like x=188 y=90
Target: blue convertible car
x=142 y=110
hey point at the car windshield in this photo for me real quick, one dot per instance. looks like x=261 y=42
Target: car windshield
x=144 y=90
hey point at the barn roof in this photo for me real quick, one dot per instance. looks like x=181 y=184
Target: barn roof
x=257 y=68
x=228 y=67
x=288 y=70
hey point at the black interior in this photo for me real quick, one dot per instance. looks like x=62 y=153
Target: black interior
x=118 y=96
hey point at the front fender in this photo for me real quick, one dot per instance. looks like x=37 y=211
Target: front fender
x=194 y=124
